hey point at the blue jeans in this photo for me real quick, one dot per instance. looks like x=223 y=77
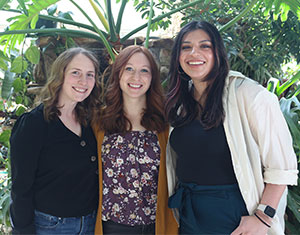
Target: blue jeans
x=48 y=224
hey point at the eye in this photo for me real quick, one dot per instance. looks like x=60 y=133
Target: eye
x=185 y=47
x=128 y=68
x=144 y=70
x=91 y=75
x=75 y=73
x=205 y=46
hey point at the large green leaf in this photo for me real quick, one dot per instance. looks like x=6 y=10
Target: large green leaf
x=22 y=22
x=288 y=83
x=20 y=110
x=3 y=3
x=33 y=54
x=18 y=85
x=273 y=85
x=7 y=84
x=3 y=65
x=19 y=65
x=4 y=137
x=23 y=6
x=294 y=204
x=289 y=108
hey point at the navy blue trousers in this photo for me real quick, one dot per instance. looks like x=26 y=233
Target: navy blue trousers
x=208 y=209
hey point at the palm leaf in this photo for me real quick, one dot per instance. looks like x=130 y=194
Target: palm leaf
x=22 y=22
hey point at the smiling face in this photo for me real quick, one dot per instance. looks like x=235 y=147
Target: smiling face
x=79 y=80
x=196 y=55
x=136 y=77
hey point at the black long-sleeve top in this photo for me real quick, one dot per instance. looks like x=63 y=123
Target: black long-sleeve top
x=53 y=170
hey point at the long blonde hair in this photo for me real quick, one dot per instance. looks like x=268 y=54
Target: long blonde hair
x=84 y=110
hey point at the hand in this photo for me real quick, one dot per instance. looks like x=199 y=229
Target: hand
x=250 y=225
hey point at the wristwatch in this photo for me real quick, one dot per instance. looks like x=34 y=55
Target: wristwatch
x=267 y=210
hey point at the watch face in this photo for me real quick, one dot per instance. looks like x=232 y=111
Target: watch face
x=270 y=211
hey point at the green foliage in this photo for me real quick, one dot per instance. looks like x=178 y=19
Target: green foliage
x=17 y=75
x=257 y=45
x=7 y=84
x=25 y=21
x=33 y=54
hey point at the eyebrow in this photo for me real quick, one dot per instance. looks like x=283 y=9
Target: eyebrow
x=149 y=67
x=93 y=71
x=206 y=40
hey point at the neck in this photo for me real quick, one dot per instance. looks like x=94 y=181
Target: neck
x=67 y=110
x=199 y=89
x=133 y=109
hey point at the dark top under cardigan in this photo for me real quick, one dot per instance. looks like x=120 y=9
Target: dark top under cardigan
x=53 y=170
x=203 y=155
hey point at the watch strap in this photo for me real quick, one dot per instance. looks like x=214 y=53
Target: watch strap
x=267 y=210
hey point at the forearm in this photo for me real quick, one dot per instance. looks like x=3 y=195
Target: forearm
x=271 y=197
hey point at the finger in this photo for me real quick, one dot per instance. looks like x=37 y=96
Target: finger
x=237 y=231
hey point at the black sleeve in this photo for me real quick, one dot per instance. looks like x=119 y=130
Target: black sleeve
x=25 y=143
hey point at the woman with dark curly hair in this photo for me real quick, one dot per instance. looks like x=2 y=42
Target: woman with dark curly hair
x=230 y=154
x=54 y=152
x=132 y=134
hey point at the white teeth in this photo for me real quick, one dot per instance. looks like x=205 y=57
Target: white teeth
x=134 y=85
x=79 y=90
x=196 y=62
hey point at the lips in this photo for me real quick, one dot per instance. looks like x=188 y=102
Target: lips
x=80 y=90
x=196 y=62
x=136 y=86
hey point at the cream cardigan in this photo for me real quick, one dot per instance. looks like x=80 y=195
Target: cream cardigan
x=259 y=141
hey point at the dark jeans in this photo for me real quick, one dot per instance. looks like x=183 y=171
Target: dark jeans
x=208 y=209
x=110 y=227
x=48 y=224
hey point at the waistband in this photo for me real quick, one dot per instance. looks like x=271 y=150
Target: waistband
x=185 y=189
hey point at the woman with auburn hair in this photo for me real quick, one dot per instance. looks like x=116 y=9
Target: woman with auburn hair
x=132 y=135
x=230 y=154
x=54 y=152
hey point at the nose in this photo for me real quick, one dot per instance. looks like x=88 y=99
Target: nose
x=83 y=80
x=195 y=50
x=136 y=75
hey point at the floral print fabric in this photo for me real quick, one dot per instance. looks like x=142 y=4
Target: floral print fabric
x=130 y=175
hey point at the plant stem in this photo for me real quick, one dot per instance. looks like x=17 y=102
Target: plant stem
x=111 y=23
x=70 y=22
x=158 y=19
x=51 y=31
x=120 y=16
x=149 y=25
x=103 y=39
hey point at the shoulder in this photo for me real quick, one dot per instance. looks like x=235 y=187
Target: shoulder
x=29 y=122
x=246 y=88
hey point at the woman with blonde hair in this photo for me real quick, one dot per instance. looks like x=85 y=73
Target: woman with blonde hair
x=54 y=152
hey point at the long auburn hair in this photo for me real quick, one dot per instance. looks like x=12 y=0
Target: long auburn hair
x=112 y=118
x=84 y=110
x=181 y=108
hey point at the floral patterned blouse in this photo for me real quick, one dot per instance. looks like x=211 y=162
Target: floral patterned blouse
x=130 y=175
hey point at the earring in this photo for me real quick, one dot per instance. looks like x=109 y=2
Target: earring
x=190 y=84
